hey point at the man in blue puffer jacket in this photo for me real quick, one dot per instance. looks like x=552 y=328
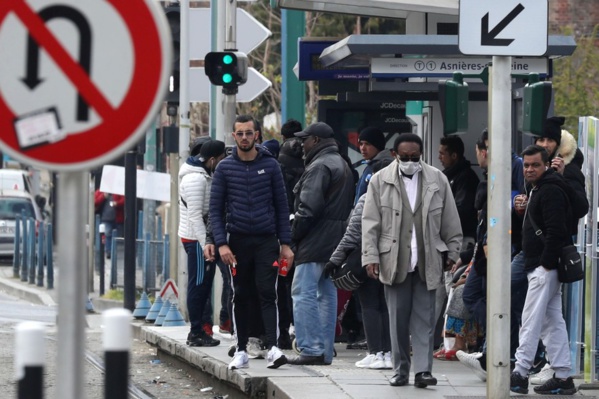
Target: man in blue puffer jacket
x=248 y=192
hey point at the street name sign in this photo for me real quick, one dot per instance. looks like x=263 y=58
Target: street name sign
x=199 y=86
x=445 y=67
x=503 y=28
x=250 y=32
x=80 y=81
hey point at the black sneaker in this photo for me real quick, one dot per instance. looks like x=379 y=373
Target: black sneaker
x=518 y=383
x=201 y=339
x=538 y=364
x=557 y=386
x=360 y=345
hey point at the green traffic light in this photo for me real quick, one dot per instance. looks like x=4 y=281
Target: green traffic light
x=227 y=59
x=227 y=78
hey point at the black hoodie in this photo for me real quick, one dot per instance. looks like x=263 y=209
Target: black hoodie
x=549 y=206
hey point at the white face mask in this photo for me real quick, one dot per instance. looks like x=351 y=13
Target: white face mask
x=409 y=168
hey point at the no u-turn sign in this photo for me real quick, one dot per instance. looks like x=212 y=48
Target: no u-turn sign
x=79 y=80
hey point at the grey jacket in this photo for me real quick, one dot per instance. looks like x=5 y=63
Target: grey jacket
x=353 y=234
x=381 y=224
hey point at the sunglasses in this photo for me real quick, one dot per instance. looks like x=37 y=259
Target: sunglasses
x=414 y=158
x=247 y=133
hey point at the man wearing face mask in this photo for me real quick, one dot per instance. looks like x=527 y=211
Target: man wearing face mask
x=195 y=180
x=410 y=233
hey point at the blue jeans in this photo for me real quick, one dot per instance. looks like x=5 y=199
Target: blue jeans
x=314 y=310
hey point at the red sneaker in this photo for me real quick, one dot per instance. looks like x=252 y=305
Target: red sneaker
x=225 y=328
x=207 y=328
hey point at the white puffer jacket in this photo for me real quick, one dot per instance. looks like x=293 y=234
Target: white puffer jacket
x=194 y=189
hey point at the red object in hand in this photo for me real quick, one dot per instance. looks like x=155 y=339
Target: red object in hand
x=283 y=267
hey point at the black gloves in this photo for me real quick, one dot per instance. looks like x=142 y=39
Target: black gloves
x=329 y=269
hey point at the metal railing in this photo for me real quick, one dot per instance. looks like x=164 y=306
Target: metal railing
x=33 y=252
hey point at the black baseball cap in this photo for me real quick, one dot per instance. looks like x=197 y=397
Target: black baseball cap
x=319 y=129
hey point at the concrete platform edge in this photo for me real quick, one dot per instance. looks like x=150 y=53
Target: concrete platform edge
x=252 y=386
x=31 y=294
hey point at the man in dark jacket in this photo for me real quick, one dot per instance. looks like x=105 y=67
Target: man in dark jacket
x=323 y=201
x=566 y=159
x=463 y=181
x=549 y=211
x=291 y=158
x=248 y=192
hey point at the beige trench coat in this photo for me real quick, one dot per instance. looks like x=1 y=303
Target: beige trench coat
x=381 y=224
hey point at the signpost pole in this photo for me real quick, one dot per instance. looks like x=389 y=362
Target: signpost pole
x=130 y=235
x=499 y=227
x=73 y=288
x=180 y=273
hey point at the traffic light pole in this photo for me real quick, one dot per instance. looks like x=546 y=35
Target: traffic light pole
x=499 y=228
x=228 y=100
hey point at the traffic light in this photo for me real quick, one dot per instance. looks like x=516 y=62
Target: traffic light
x=453 y=98
x=173 y=16
x=535 y=103
x=228 y=69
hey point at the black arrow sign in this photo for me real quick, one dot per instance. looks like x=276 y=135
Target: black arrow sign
x=32 y=78
x=490 y=38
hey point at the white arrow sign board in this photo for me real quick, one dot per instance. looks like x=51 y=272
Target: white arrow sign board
x=503 y=28
x=250 y=32
x=199 y=86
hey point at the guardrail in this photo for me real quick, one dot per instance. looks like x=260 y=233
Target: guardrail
x=152 y=259
x=33 y=257
x=33 y=251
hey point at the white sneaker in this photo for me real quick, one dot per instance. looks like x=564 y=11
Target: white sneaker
x=365 y=363
x=275 y=358
x=470 y=360
x=542 y=376
x=254 y=348
x=388 y=361
x=379 y=362
x=240 y=361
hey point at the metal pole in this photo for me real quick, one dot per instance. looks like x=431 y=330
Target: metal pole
x=180 y=257
x=50 y=257
x=72 y=187
x=229 y=100
x=130 y=225
x=293 y=91
x=25 y=243
x=499 y=227
x=91 y=233
x=16 y=260
x=32 y=248
x=40 y=256
x=219 y=98
x=149 y=206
